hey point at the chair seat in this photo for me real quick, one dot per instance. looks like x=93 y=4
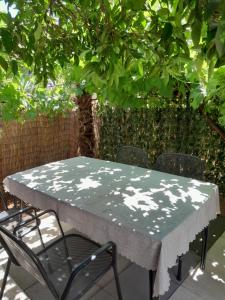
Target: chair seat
x=62 y=255
x=4 y=215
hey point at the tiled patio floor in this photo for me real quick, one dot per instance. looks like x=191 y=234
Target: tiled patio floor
x=209 y=285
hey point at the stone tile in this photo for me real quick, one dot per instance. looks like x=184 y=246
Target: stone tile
x=37 y=292
x=217 y=252
x=102 y=295
x=204 y=285
x=134 y=284
x=12 y=291
x=184 y=294
x=22 y=278
x=216 y=268
x=92 y=292
x=122 y=264
x=215 y=262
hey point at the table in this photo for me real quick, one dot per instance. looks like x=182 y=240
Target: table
x=151 y=216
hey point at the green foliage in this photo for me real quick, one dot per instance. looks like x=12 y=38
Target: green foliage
x=120 y=46
x=21 y=98
x=131 y=53
x=175 y=129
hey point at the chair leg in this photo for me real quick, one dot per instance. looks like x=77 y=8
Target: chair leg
x=117 y=282
x=179 y=269
x=4 y=281
x=204 y=247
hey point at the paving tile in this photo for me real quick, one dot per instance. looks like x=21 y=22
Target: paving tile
x=122 y=264
x=217 y=252
x=12 y=290
x=37 y=292
x=215 y=262
x=102 y=295
x=205 y=286
x=209 y=285
x=184 y=294
x=22 y=278
x=216 y=268
x=92 y=292
x=134 y=284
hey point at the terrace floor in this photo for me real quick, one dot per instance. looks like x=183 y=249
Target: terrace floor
x=198 y=285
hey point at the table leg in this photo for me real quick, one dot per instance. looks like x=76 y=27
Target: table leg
x=151 y=285
x=204 y=247
x=179 y=269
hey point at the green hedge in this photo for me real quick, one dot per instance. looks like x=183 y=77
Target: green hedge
x=163 y=130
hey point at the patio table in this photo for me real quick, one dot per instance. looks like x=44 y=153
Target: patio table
x=151 y=216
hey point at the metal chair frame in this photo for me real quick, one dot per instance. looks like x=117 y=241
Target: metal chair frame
x=109 y=247
x=131 y=155
x=9 y=217
x=185 y=165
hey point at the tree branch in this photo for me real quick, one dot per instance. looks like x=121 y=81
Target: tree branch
x=212 y=123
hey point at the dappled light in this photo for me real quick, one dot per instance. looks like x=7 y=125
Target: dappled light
x=121 y=193
x=141 y=210
x=49 y=231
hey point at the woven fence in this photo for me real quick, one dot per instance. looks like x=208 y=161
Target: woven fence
x=36 y=142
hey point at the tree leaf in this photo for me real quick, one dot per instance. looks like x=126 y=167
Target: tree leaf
x=7 y=40
x=167 y=31
x=196 y=32
x=14 y=67
x=220 y=39
x=38 y=32
x=3 y=63
x=135 y=5
x=140 y=68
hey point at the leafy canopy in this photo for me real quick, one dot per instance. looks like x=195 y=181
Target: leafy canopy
x=126 y=51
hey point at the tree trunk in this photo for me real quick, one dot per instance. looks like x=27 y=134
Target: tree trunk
x=87 y=138
x=213 y=124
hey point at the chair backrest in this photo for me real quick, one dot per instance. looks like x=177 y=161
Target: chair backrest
x=132 y=156
x=181 y=164
x=20 y=253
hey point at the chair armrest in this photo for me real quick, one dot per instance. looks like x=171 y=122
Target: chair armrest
x=17 y=213
x=37 y=217
x=108 y=246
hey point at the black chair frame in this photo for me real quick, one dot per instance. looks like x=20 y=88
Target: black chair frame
x=109 y=247
x=131 y=155
x=7 y=218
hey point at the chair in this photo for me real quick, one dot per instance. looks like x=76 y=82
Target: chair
x=12 y=216
x=8 y=211
x=68 y=266
x=181 y=164
x=190 y=166
x=132 y=156
x=10 y=219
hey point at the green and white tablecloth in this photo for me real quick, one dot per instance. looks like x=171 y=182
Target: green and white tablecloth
x=151 y=216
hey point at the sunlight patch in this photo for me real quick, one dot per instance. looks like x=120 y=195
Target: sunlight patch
x=87 y=183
